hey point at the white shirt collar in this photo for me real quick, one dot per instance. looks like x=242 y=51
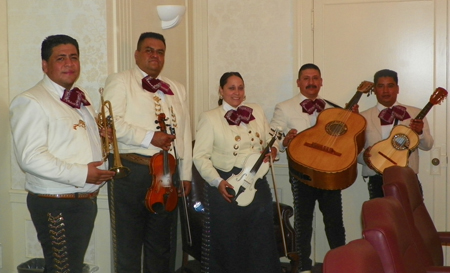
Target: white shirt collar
x=381 y=107
x=145 y=74
x=58 y=88
x=228 y=107
x=302 y=97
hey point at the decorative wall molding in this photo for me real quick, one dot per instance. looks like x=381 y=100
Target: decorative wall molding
x=123 y=35
x=198 y=70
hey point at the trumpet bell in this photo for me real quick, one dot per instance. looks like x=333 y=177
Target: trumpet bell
x=120 y=171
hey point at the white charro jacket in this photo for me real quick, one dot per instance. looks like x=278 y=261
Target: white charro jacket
x=134 y=111
x=50 y=143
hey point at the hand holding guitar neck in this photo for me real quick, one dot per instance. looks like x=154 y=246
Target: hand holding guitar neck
x=416 y=125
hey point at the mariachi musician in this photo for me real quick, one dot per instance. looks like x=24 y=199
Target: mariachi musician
x=139 y=96
x=239 y=238
x=57 y=144
x=382 y=118
x=293 y=116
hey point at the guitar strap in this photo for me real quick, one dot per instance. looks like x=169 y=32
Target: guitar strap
x=333 y=104
x=395 y=122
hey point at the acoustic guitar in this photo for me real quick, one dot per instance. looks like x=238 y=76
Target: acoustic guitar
x=324 y=156
x=402 y=141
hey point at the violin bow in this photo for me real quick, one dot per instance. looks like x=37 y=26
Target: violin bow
x=183 y=193
x=277 y=202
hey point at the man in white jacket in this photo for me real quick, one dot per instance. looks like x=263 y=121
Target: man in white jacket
x=293 y=116
x=139 y=96
x=57 y=144
x=386 y=90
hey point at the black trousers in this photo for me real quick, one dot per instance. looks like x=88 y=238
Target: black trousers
x=330 y=204
x=239 y=239
x=136 y=231
x=64 y=228
x=375 y=186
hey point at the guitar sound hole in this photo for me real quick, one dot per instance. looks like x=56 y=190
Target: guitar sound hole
x=336 y=128
x=400 y=142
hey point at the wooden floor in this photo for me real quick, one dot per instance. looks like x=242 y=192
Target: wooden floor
x=194 y=267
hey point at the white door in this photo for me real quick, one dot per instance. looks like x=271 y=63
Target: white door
x=350 y=41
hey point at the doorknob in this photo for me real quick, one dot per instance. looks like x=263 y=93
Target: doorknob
x=436 y=157
x=435 y=161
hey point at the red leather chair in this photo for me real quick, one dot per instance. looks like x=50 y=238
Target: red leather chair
x=385 y=226
x=357 y=256
x=402 y=184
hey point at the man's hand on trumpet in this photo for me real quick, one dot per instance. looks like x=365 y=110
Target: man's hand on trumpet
x=106 y=132
x=97 y=176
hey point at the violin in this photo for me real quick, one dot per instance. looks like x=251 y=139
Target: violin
x=254 y=168
x=162 y=196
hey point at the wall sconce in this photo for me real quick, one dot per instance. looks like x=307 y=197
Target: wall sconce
x=170 y=15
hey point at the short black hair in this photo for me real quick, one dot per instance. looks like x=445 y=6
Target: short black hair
x=308 y=66
x=385 y=73
x=55 y=40
x=152 y=35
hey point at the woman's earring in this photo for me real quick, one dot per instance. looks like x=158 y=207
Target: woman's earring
x=220 y=97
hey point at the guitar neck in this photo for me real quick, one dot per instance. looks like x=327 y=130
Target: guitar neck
x=424 y=111
x=354 y=100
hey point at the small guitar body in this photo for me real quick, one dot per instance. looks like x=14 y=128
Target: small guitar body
x=325 y=155
x=395 y=150
x=244 y=182
x=402 y=141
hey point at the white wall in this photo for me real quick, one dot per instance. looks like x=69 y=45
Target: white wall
x=6 y=242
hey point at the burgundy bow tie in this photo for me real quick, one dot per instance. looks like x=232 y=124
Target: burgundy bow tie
x=388 y=115
x=152 y=85
x=242 y=114
x=74 y=98
x=309 y=105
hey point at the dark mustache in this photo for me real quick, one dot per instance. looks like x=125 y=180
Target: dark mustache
x=311 y=86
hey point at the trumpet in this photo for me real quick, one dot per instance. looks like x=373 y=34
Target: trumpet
x=106 y=122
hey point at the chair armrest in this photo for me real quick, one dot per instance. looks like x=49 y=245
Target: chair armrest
x=444 y=236
x=437 y=269
x=286 y=213
x=289 y=233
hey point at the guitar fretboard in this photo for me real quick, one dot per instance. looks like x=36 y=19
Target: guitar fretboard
x=424 y=111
